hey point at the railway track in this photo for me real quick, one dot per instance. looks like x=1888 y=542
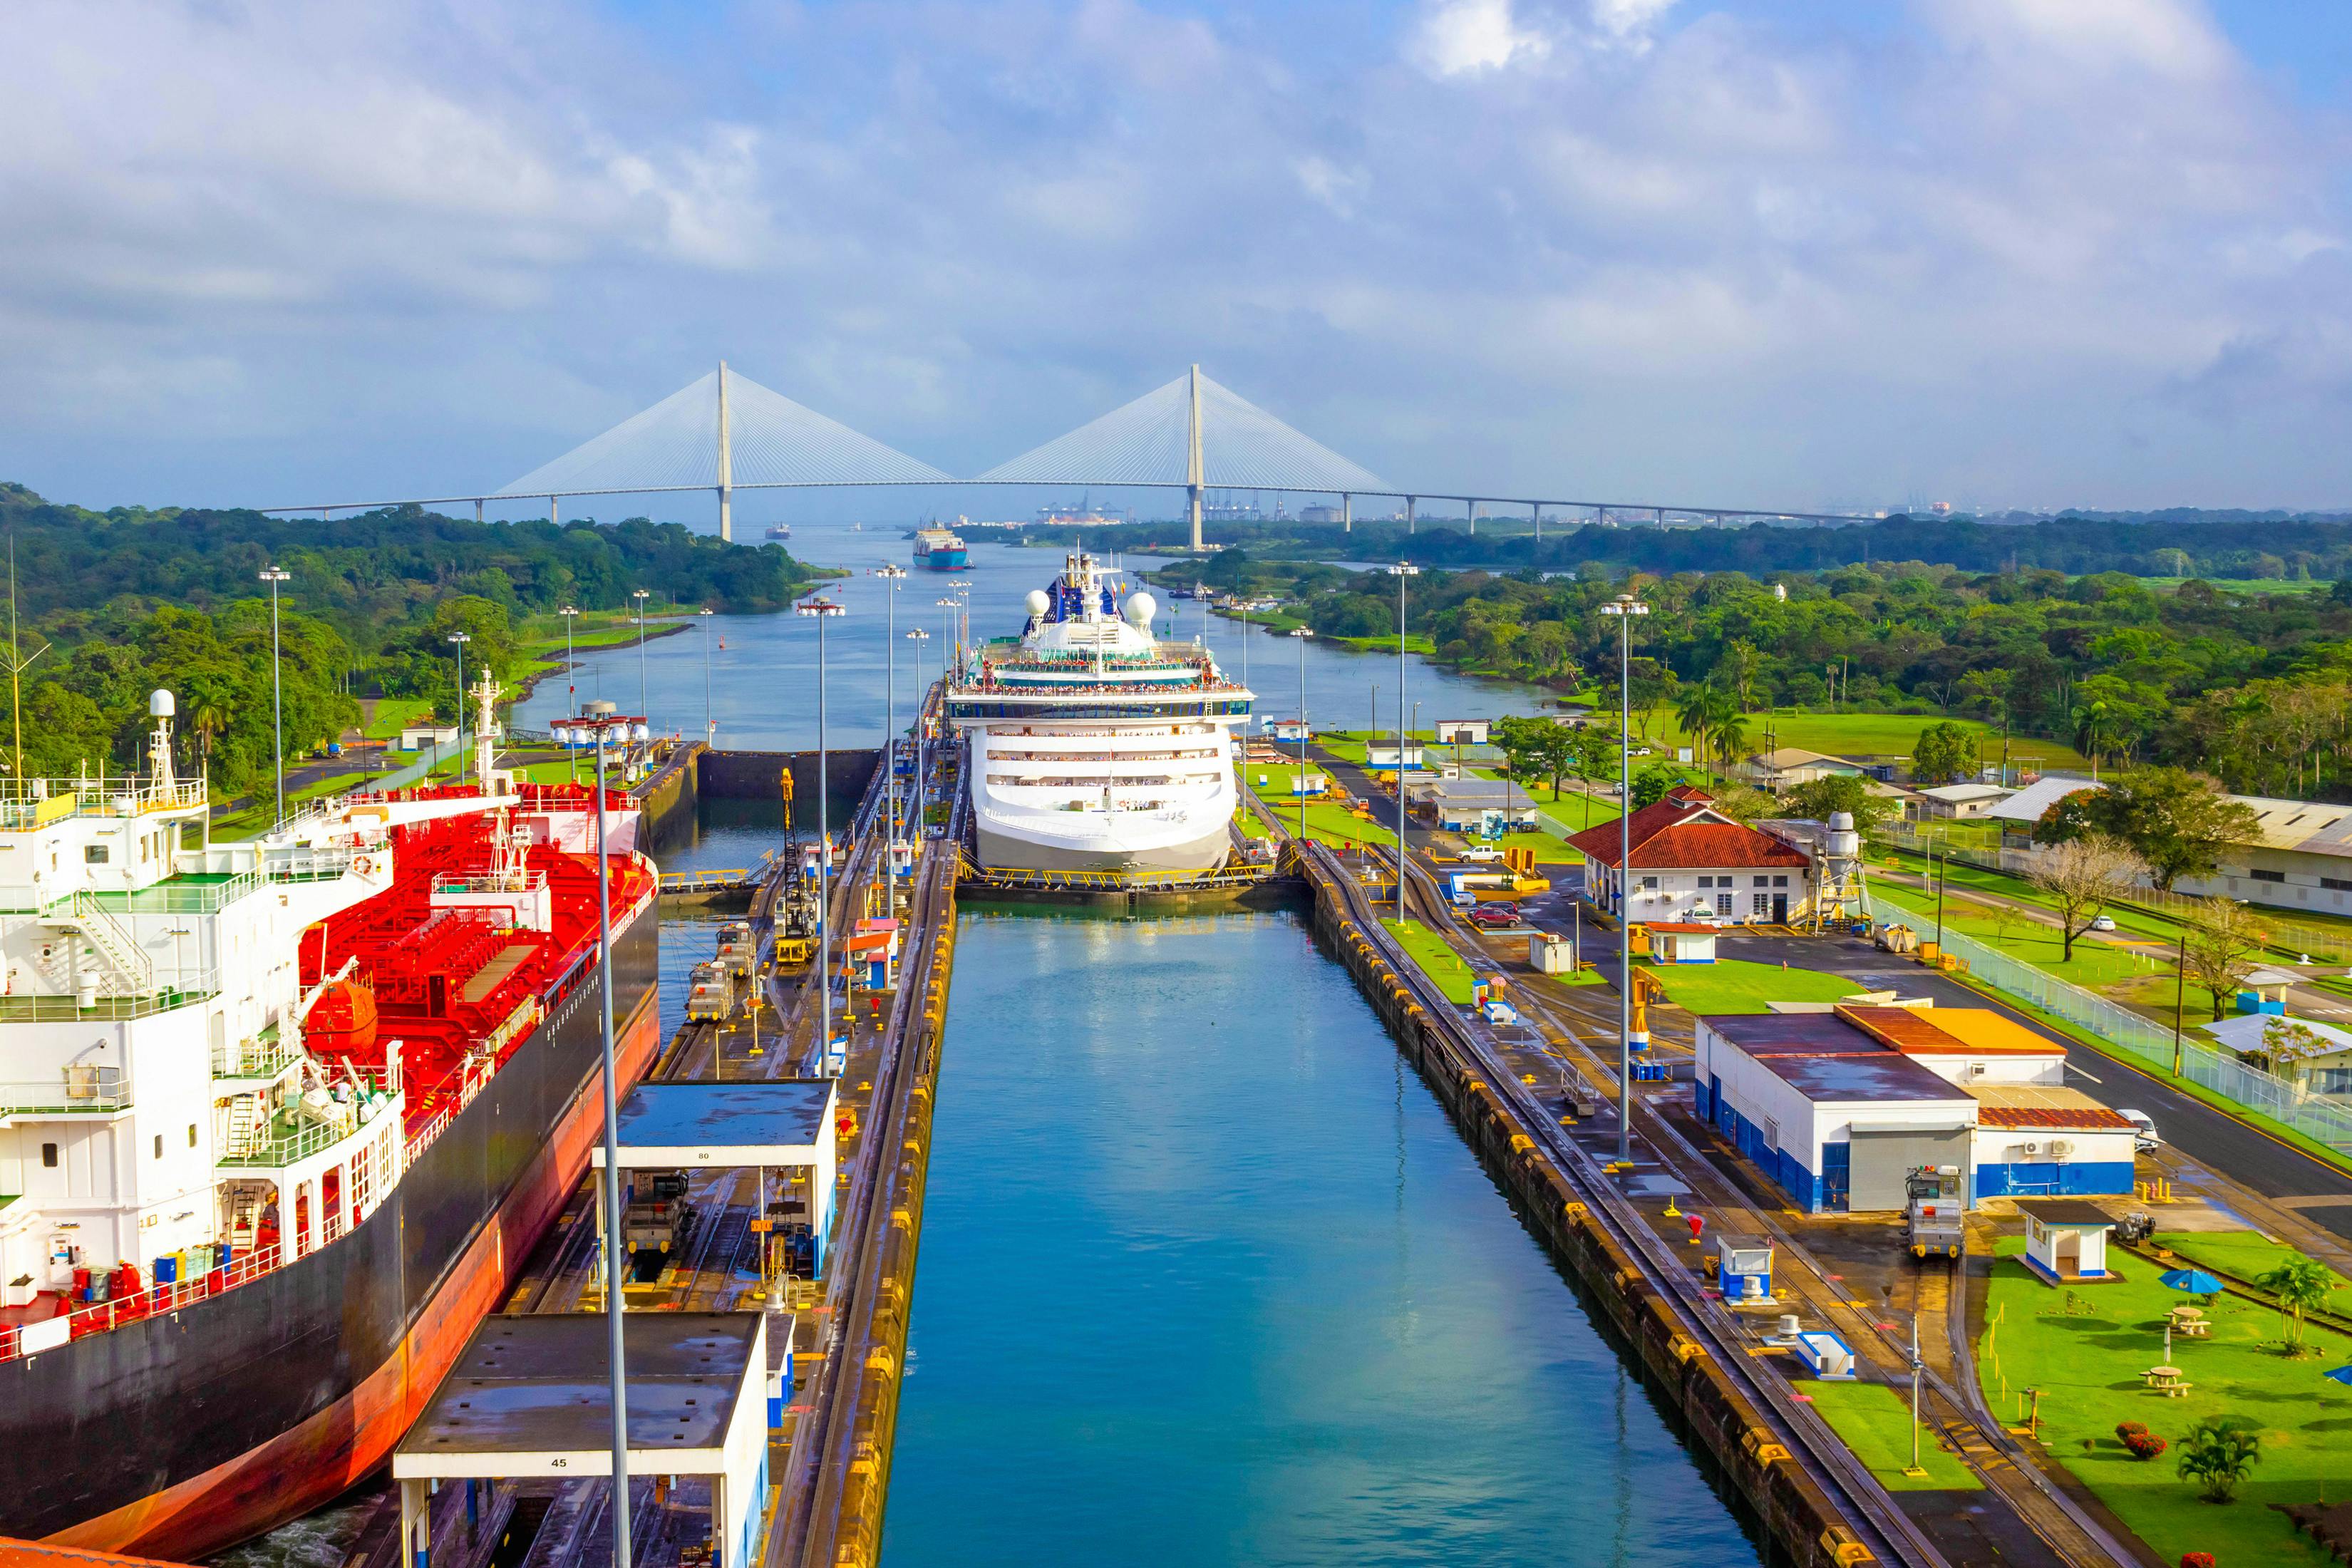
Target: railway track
x=1952 y=1406
x=1884 y=1528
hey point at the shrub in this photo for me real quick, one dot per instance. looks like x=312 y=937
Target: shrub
x=2218 y=1455
x=2125 y=1429
x=2145 y=1445
x=2196 y=1560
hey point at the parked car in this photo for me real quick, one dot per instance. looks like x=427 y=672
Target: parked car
x=1494 y=917
x=2103 y=922
x=1481 y=855
x=2145 y=1139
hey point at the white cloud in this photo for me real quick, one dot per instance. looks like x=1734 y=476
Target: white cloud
x=1456 y=37
x=2034 y=251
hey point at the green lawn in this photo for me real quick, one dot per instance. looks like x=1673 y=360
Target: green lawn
x=2250 y=585
x=394 y=714
x=1875 y=1422
x=2085 y=1353
x=263 y=812
x=1872 y=735
x=1735 y=985
x=2093 y=966
x=1437 y=960
x=2240 y=1252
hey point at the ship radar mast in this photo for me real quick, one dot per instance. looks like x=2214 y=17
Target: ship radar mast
x=160 y=707
x=486 y=729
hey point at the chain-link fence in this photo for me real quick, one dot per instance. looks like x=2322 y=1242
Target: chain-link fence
x=2324 y=1118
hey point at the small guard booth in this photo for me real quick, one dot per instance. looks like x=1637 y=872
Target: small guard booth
x=2066 y=1240
x=531 y=1398
x=781 y=1129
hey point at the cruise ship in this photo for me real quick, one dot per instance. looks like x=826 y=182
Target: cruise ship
x=282 y=1121
x=1095 y=747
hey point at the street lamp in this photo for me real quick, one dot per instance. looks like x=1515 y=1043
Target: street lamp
x=962 y=586
x=640 y=595
x=947 y=602
x=273 y=576
x=1401 y=571
x=893 y=577
x=1624 y=607
x=1299 y=784
x=709 y=724
x=918 y=637
x=459 y=640
x=603 y=727
x=822 y=610
x=570 y=612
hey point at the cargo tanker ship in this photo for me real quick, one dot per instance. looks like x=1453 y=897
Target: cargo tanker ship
x=279 y=1122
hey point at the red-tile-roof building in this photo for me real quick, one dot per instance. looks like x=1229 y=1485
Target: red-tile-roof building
x=1691 y=862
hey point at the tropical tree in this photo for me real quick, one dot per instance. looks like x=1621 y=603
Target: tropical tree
x=1944 y=753
x=2083 y=877
x=2299 y=1285
x=2179 y=822
x=1536 y=749
x=2217 y=1454
x=1598 y=753
x=2220 y=942
x=1822 y=798
x=1695 y=712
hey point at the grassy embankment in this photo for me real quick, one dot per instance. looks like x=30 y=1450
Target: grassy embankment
x=1439 y=962
x=1736 y=985
x=2085 y=1349
x=1872 y=735
x=1875 y=1421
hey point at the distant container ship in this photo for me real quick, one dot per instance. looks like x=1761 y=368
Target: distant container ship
x=779 y=530
x=940 y=550
x=286 y=1118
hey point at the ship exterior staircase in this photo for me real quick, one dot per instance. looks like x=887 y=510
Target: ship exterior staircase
x=132 y=974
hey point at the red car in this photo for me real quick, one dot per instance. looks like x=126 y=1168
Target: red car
x=1494 y=917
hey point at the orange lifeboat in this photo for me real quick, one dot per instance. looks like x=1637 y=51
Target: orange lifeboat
x=341 y=1022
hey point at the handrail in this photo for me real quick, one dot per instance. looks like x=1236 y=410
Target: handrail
x=75 y=1090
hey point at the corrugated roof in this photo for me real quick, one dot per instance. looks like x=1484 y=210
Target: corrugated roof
x=2028 y=804
x=1764 y=1034
x=1952 y=1031
x=2029 y=1105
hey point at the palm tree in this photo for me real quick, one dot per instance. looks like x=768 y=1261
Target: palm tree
x=1695 y=708
x=1730 y=735
x=2219 y=1454
x=207 y=718
x=2300 y=1286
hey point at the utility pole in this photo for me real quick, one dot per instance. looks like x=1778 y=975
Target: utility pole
x=2179 y=991
x=643 y=705
x=891 y=577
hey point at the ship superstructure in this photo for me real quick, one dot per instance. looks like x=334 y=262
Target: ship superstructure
x=278 y=1119
x=1096 y=746
x=940 y=550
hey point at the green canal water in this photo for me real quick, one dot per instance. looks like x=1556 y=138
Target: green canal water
x=1207 y=1277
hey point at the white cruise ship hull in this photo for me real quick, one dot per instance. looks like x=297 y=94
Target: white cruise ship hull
x=1124 y=844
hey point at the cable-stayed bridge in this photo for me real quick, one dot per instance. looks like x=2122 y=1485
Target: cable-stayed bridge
x=726 y=432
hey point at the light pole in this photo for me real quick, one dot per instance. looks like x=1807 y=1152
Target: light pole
x=459 y=640
x=570 y=612
x=1624 y=607
x=602 y=726
x=709 y=724
x=273 y=576
x=947 y=603
x=640 y=595
x=1401 y=571
x=891 y=576
x=822 y=610
x=1299 y=784
x=918 y=637
x=962 y=586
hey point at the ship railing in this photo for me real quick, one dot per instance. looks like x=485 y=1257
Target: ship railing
x=179 y=992
x=97 y=1317
x=282 y=1149
x=254 y=1059
x=488 y=882
x=76 y=1088
x=27 y=803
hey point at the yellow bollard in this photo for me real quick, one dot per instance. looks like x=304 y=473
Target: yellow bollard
x=1671 y=1212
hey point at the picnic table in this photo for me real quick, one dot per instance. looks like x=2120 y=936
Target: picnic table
x=2167 y=1380
x=2191 y=1323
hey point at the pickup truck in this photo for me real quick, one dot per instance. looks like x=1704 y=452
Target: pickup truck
x=1481 y=855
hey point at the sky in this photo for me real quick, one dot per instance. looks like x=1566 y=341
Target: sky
x=1817 y=254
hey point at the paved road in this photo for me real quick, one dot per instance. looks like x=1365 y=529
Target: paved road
x=2245 y=1154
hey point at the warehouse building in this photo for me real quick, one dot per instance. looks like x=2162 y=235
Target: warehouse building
x=1837 y=1106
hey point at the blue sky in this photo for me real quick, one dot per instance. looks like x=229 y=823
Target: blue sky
x=2001 y=252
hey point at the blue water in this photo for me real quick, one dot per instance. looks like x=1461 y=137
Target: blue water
x=1207 y=1277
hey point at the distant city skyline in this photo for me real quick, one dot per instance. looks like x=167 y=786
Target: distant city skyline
x=2000 y=253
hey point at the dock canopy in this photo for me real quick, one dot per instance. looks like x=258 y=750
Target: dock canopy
x=530 y=1396
x=777 y=1125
